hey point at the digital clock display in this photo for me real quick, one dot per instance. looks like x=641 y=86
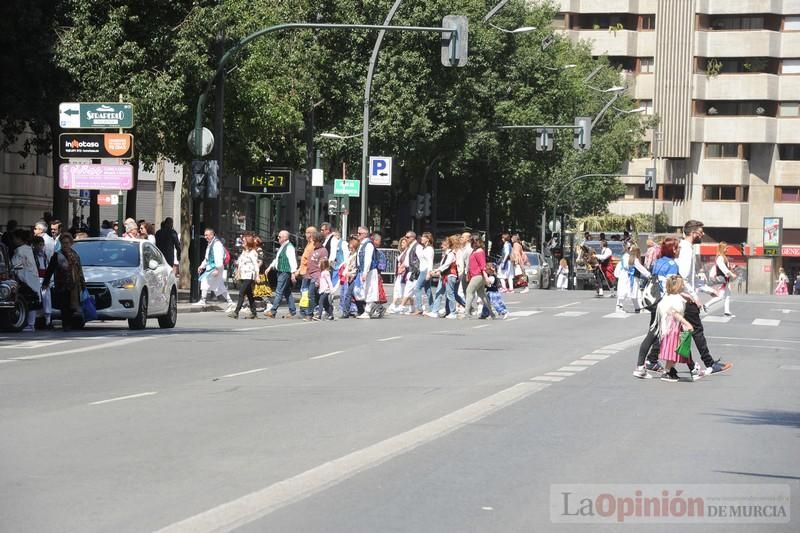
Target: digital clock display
x=275 y=181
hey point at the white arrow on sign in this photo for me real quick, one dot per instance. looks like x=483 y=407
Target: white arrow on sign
x=69 y=115
x=380 y=170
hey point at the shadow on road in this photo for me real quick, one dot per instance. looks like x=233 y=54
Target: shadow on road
x=762 y=417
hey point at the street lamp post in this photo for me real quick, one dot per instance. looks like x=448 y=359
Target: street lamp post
x=656 y=153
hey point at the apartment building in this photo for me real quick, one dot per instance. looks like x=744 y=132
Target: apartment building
x=723 y=76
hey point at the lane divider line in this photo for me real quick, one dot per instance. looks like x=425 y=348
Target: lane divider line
x=596 y=357
x=582 y=362
x=390 y=338
x=547 y=378
x=244 y=373
x=331 y=354
x=120 y=398
x=560 y=374
x=260 y=503
x=481 y=326
x=572 y=368
x=84 y=349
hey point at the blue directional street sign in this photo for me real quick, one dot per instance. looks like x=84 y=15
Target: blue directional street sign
x=380 y=170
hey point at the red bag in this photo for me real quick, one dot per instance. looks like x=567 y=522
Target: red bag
x=381 y=292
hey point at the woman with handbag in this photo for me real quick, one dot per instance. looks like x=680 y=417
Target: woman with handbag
x=24 y=264
x=247 y=271
x=476 y=272
x=721 y=273
x=67 y=273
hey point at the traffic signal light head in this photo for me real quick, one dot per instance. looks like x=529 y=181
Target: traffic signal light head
x=455 y=44
x=583 y=133
x=198 y=188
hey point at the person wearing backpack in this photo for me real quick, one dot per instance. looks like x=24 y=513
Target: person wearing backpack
x=650 y=348
x=211 y=271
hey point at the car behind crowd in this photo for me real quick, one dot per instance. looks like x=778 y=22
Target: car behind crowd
x=129 y=280
x=538 y=271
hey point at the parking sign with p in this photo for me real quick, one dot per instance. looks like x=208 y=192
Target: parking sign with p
x=380 y=170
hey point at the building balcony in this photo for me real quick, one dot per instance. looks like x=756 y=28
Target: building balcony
x=789 y=130
x=744 y=7
x=734 y=129
x=609 y=6
x=724 y=172
x=789 y=212
x=786 y=173
x=717 y=214
x=641 y=86
x=737 y=87
x=754 y=43
x=622 y=43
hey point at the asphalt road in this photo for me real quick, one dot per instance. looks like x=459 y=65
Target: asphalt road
x=403 y=424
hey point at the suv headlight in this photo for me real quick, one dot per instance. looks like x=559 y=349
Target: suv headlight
x=125 y=283
x=5 y=292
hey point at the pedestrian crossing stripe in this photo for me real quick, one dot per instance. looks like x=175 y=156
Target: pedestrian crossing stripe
x=523 y=313
x=720 y=319
x=766 y=322
x=572 y=313
x=596 y=356
x=547 y=378
x=617 y=314
x=560 y=374
x=572 y=368
x=584 y=362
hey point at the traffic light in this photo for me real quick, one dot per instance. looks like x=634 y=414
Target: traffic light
x=333 y=207
x=420 y=210
x=544 y=139
x=198 y=188
x=212 y=179
x=583 y=133
x=649 y=179
x=455 y=45
x=426 y=204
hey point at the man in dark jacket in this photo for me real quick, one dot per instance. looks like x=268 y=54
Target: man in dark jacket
x=167 y=241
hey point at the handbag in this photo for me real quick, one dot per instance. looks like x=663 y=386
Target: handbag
x=684 y=349
x=88 y=307
x=305 y=301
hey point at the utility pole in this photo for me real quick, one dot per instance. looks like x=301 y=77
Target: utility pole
x=159 y=207
x=656 y=150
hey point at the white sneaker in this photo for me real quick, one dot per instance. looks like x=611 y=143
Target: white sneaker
x=200 y=302
x=364 y=315
x=697 y=374
x=599 y=292
x=431 y=314
x=29 y=329
x=452 y=316
x=525 y=290
x=641 y=373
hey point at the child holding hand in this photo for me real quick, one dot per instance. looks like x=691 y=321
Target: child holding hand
x=670 y=321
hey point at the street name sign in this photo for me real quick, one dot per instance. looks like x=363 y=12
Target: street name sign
x=347 y=188
x=95 y=177
x=95 y=115
x=380 y=170
x=95 y=145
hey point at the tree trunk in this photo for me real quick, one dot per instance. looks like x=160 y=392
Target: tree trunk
x=186 y=227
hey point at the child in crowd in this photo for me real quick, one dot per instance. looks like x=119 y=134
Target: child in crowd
x=325 y=290
x=562 y=275
x=669 y=320
x=493 y=292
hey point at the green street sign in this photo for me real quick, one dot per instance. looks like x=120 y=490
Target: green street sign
x=350 y=188
x=95 y=115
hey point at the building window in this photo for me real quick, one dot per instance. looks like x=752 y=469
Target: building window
x=722 y=150
x=787 y=194
x=734 y=108
x=790 y=66
x=739 y=65
x=647 y=105
x=647 y=65
x=643 y=150
x=791 y=23
x=559 y=22
x=725 y=193
x=647 y=22
x=789 y=152
x=790 y=109
x=674 y=193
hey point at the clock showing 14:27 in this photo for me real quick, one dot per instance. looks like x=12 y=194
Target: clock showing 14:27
x=276 y=181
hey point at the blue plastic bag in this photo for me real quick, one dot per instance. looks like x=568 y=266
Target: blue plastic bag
x=87 y=306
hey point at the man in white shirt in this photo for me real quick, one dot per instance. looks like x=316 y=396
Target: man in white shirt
x=211 y=270
x=40 y=230
x=462 y=260
x=687 y=267
x=368 y=274
x=285 y=263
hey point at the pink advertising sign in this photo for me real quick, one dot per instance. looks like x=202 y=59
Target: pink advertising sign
x=111 y=177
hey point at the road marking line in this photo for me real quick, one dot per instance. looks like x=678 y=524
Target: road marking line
x=596 y=356
x=120 y=398
x=105 y=345
x=790 y=367
x=620 y=314
x=560 y=374
x=606 y=352
x=581 y=362
x=719 y=319
x=510 y=303
x=6 y=361
x=572 y=368
x=510 y=319
x=572 y=313
x=567 y=305
x=623 y=344
x=481 y=326
x=244 y=373
x=523 y=313
x=753 y=339
x=260 y=503
x=758 y=346
x=766 y=322
x=390 y=338
x=331 y=354
x=547 y=378
x=273 y=326
x=30 y=345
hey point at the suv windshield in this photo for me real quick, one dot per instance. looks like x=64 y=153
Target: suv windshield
x=111 y=253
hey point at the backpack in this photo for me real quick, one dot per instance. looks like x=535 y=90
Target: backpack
x=379 y=260
x=227 y=260
x=652 y=293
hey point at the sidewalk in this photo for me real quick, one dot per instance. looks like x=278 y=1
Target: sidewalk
x=185 y=305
